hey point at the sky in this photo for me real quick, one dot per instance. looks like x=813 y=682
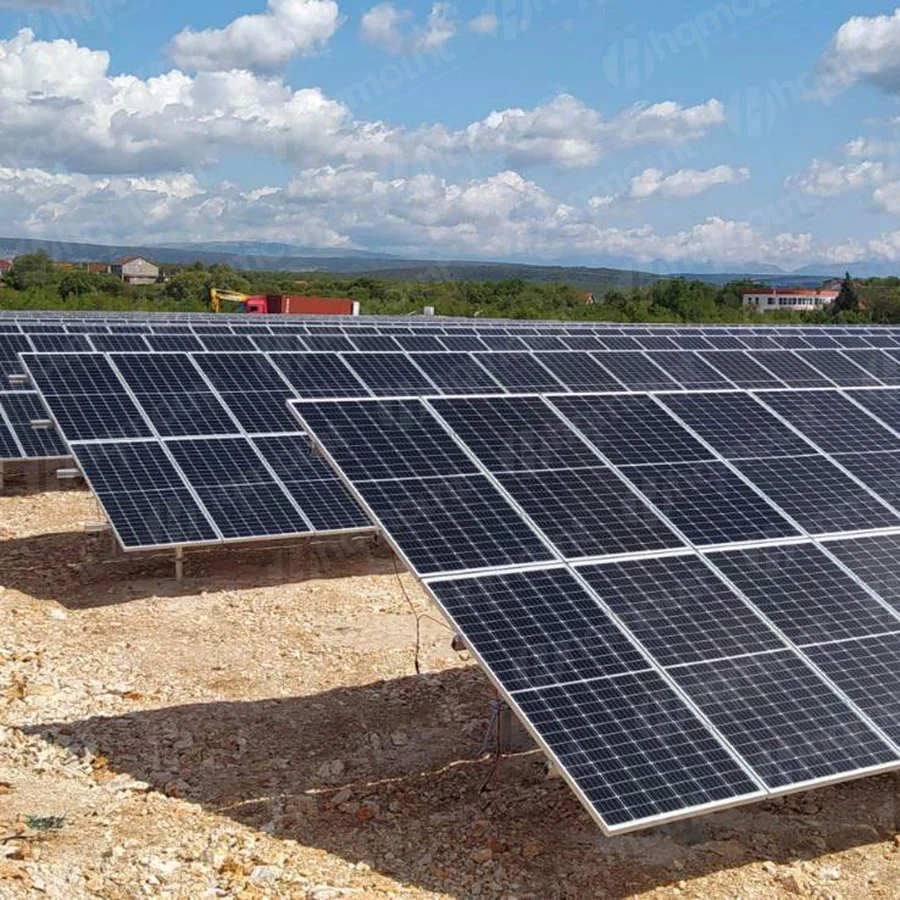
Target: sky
x=730 y=135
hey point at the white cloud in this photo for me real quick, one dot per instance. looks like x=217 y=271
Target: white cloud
x=484 y=24
x=863 y=49
x=263 y=42
x=384 y=26
x=684 y=182
x=871 y=146
x=825 y=179
x=566 y=133
x=887 y=197
x=60 y=107
x=500 y=216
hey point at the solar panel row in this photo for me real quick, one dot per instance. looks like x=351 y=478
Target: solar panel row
x=663 y=586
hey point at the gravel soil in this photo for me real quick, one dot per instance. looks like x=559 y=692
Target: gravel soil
x=260 y=731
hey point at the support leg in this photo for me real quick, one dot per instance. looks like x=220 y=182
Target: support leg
x=179 y=564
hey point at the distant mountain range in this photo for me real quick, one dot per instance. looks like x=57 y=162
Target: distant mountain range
x=275 y=256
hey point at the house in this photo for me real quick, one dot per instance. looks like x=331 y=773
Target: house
x=136 y=270
x=5 y=266
x=798 y=299
x=98 y=268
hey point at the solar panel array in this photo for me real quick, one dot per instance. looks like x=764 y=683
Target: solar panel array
x=684 y=594
x=673 y=549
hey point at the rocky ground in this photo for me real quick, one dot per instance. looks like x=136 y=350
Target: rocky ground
x=260 y=731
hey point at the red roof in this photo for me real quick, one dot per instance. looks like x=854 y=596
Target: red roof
x=5 y=264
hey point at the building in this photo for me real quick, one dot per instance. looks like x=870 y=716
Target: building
x=798 y=299
x=98 y=268
x=136 y=270
x=5 y=266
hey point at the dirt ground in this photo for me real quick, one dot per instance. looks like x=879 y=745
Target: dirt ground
x=260 y=731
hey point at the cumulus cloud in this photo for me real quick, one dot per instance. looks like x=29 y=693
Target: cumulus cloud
x=826 y=179
x=60 y=107
x=871 y=146
x=386 y=27
x=499 y=216
x=684 y=182
x=566 y=133
x=262 y=42
x=865 y=48
x=484 y=24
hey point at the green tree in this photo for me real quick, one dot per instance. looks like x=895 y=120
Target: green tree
x=190 y=284
x=32 y=270
x=74 y=284
x=847 y=300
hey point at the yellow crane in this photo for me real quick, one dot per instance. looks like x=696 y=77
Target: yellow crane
x=217 y=298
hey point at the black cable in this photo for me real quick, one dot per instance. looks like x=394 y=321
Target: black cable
x=418 y=616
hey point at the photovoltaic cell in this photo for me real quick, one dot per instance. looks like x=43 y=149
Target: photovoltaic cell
x=387 y=374
x=782 y=718
x=874 y=561
x=680 y=610
x=456 y=523
x=515 y=433
x=831 y=420
x=709 y=503
x=817 y=495
x=632 y=746
x=319 y=375
x=808 y=596
x=689 y=370
x=385 y=439
x=456 y=373
x=866 y=670
x=579 y=371
x=791 y=369
x=631 y=430
x=519 y=372
x=735 y=425
x=883 y=404
x=883 y=366
x=741 y=369
x=143 y=495
x=636 y=371
x=536 y=628
x=588 y=512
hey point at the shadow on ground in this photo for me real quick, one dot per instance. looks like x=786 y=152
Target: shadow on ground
x=384 y=773
x=83 y=570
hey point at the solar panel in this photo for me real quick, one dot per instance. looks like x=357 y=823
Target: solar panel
x=735 y=425
x=519 y=372
x=579 y=371
x=791 y=369
x=708 y=503
x=690 y=370
x=866 y=670
x=85 y=396
x=631 y=430
x=143 y=495
x=883 y=366
x=874 y=561
x=18 y=409
x=636 y=371
x=680 y=610
x=242 y=497
x=783 y=719
x=831 y=420
x=319 y=375
x=841 y=370
x=515 y=433
x=387 y=374
x=741 y=369
x=452 y=524
x=119 y=343
x=807 y=595
x=455 y=373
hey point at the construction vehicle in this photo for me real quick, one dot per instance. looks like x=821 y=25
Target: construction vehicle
x=286 y=304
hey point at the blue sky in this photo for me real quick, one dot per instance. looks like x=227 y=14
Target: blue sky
x=599 y=131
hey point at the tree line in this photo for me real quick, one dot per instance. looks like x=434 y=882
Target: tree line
x=36 y=282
